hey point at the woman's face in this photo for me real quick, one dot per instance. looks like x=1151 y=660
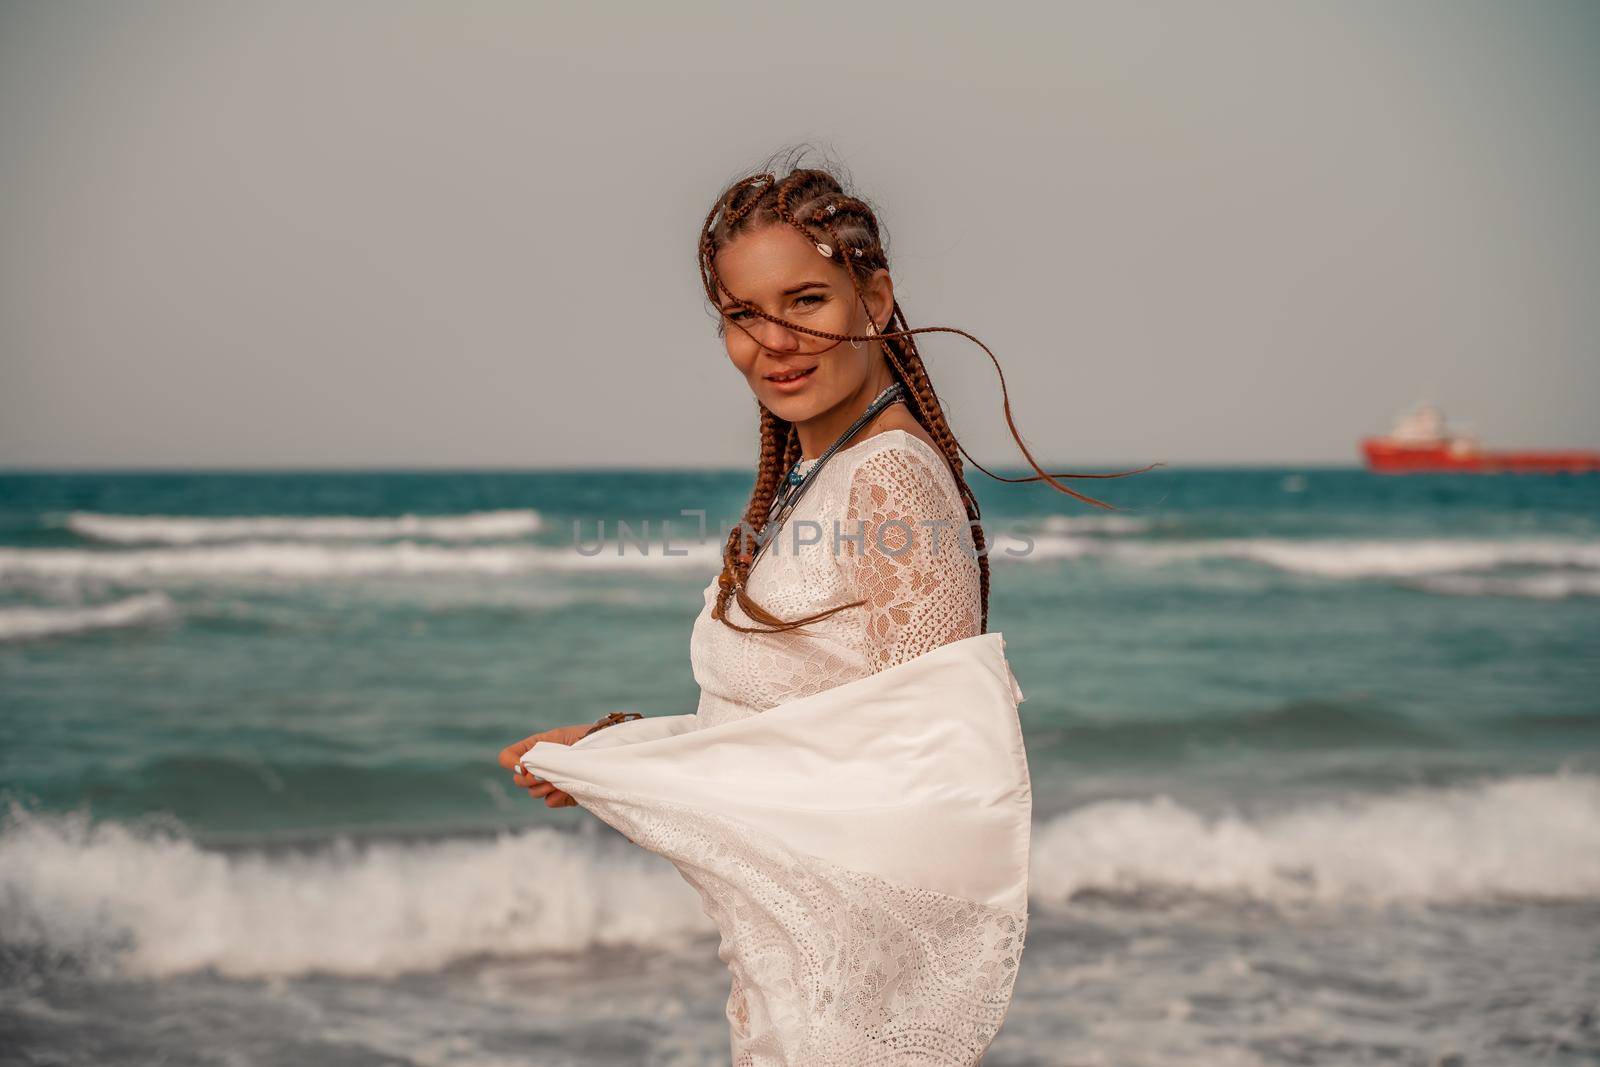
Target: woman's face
x=784 y=275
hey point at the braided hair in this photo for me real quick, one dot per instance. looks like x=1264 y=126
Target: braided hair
x=845 y=229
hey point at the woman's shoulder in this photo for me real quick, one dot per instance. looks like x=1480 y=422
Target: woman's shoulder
x=898 y=443
x=899 y=462
x=895 y=431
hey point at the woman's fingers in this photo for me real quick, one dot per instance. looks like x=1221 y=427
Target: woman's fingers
x=513 y=752
x=540 y=787
x=511 y=760
x=553 y=797
x=549 y=791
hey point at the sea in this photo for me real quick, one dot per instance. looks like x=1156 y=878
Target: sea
x=1315 y=756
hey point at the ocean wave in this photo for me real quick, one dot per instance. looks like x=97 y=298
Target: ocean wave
x=1552 y=585
x=281 y=559
x=152 y=903
x=197 y=529
x=1103 y=524
x=1533 y=836
x=1296 y=724
x=1435 y=566
x=28 y=623
x=1327 y=558
x=149 y=903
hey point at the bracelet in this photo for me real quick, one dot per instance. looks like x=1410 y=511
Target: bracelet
x=611 y=720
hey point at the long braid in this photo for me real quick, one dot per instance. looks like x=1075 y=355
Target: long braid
x=850 y=235
x=931 y=415
x=766 y=487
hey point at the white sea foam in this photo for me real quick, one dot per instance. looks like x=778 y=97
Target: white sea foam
x=1104 y=524
x=26 y=623
x=1327 y=558
x=153 y=904
x=198 y=529
x=1532 y=836
x=1452 y=562
x=287 y=559
x=1552 y=585
x=156 y=904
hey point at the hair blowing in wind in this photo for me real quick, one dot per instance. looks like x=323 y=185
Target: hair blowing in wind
x=844 y=229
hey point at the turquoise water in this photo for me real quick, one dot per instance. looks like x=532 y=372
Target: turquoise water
x=248 y=725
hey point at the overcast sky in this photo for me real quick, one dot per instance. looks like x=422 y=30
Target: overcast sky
x=463 y=234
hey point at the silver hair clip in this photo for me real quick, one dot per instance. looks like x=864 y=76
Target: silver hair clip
x=858 y=253
x=832 y=208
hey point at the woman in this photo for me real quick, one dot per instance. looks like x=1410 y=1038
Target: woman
x=850 y=796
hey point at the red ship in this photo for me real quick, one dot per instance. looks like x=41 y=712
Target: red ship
x=1420 y=441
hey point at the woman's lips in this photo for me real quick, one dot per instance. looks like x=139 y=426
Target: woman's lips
x=793 y=384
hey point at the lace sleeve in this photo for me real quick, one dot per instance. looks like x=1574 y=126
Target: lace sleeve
x=913 y=562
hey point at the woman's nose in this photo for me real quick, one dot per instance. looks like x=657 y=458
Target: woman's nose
x=776 y=338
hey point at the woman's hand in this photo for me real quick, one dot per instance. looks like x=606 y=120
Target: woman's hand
x=538 y=787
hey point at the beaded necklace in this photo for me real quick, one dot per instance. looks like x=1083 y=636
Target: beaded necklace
x=796 y=482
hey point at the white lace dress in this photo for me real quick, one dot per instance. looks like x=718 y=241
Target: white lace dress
x=894 y=495
x=851 y=802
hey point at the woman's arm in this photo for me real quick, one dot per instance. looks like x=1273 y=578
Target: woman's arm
x=915 y=567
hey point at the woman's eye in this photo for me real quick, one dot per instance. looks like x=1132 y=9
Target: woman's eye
x=736 y=314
